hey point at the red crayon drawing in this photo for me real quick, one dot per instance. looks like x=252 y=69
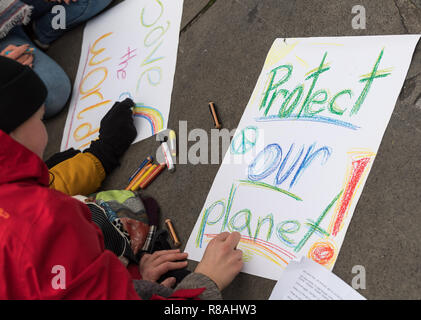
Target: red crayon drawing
x=358 y=168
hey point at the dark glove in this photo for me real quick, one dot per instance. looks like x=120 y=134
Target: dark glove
x=116 y=134
x=60 y=157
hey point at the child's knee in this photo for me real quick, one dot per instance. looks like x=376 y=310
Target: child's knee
x=58 y=94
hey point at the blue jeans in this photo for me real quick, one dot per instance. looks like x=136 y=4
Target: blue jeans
x=76 y=13
x=54 y=77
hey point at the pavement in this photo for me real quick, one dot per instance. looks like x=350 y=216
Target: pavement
x=223 y=45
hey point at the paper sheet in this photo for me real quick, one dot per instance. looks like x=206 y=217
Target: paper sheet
x=128 y=51
x=303 y=149
x=307 y=280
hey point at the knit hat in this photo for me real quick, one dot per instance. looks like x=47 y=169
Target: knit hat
x=22 y=93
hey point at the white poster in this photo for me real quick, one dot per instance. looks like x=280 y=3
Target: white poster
x=307 y=280
x=303 y=149
x=128 y=51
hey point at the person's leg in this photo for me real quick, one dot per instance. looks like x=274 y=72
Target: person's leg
x=54 y=77
x=76 y=13
x=41 y=7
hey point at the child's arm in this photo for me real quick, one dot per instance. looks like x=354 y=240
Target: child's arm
x=198 y=280
x=83 y=173
x=80 y=175
x=116 y=133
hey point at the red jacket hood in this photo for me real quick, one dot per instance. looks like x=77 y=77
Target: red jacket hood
x=17 y=163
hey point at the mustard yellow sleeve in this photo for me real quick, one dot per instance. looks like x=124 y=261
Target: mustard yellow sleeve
x=80 y=175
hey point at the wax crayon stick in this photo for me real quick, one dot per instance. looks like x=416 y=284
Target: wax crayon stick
x=172 y=142
x=138 y=176
x=214 y=115
x=145 y=176
x=168 y=157
x=170 y=227
x=152 y=176
x=142 y=165
x=170 y=137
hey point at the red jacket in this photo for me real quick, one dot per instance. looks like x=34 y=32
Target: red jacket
x=44 y=232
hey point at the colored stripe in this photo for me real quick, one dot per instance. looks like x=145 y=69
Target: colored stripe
x=152 y=115
x=358 y=168
x=15 y=7
x=257 y=245
x=270 y=187
x=310 y=119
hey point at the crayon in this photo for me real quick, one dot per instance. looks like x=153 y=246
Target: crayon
x=145 y=176
x=172 y=141
x=170 y=227
x=170 y=137
x=142 y=165
x=168 y=158
x=138 y=176
x=214 y=115
x=151 y=177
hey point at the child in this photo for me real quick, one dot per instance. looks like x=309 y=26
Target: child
x=46 y=235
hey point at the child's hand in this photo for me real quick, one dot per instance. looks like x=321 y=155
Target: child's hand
x=116 y=134
x=20 y=54
x=222 y=260
x=117 y=128
x=154 y=266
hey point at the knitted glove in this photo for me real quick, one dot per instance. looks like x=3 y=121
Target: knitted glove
x=116 y=134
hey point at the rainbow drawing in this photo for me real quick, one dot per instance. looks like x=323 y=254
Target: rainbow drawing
x=264 y=249
x=152 y=115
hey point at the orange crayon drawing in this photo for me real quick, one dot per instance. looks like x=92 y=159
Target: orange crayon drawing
x=323 y=252
x=100 y=75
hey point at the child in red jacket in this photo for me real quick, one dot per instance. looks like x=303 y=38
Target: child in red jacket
x=49 y=246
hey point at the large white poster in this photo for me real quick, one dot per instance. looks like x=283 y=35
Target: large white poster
x=303 y=149
x=128 y=51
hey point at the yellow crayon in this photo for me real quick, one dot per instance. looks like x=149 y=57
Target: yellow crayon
x=138 y=176
x=139 y=182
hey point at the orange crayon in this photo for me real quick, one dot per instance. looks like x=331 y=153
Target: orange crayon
x=170 y=227
x=214 y=115
x=152 y=176
x=138 y=176
x=139 y=181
